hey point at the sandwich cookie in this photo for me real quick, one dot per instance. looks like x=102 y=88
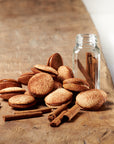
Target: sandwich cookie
x=4 y=83
x=64 y=72
x=22 y=101
x=40 y=85
x=11 y=91
x=57 y=85
x=58 y=97
x=55 y=61
x=75 y=84
x=46 y=69
x=92 y=99
x=24 y=78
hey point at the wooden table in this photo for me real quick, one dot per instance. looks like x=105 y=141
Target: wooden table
x=31 y=31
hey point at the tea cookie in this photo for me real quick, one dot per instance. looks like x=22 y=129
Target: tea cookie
x=47 y=69
x=55 y=61
x=40 y=84
x=76 y=81
x=22 y=101
x=75 y=84
x=58 y=97
x=57 y=85
x=6 y=93
x=92 y=99
x=24 y=78
x=4 y=83
x=65 y=72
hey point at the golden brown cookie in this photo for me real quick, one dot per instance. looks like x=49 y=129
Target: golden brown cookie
x=24 y=78
x=58 y=97
x=35 y=70
x=6 y=93
x=76 y=81
x=75 y=84
x=4 y=83
x=22 y=101
x=75 y=87
x=27 y=93
x=55 y=61
x=40 y=84
x=47 y=69
x=92 y=99
x=57 y=85
x=65 y=72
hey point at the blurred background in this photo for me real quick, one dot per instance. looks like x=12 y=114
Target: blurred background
x=102 y=14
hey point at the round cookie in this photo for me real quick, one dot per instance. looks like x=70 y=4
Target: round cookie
x=45 y=68
x=24 y=78
x=76 y=81
x=4 y=83
x=22 y=101
x=6 y=93
x=57 y=85
x=75 y=84
x=55 y=61
x=58 y=97
x=40 y=84
x=92 y=99
x=75 y=87
x=64 y=72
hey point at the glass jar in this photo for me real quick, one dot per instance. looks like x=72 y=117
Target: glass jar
x=86 y=59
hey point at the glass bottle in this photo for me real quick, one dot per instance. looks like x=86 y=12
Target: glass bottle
x=86 y=59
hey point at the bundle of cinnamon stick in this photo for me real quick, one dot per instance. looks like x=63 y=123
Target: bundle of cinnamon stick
x=63 y=114
x=91 y=64
x=91 y=67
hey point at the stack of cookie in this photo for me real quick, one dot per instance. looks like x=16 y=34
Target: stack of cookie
x=53 y=83
x=41 y=82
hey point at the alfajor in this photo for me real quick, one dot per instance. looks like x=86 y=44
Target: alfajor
x=75 y=84
x=40 y=84
x=64 y=72
x=55 y=61
x=92 y=99
x=24 y=78
x=22 y=101
x=58 y=97
x=6 y=93
x=4 y=83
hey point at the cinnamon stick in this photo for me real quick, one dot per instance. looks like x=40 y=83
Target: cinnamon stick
x=85 y=74
x=21 y=116
x=56 y=112
x=57 y=121
x=88 y=55
x=43 y=110
x=94 y=68
x=71 y=113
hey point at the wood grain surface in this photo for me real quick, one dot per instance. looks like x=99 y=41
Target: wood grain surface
x=31 y=31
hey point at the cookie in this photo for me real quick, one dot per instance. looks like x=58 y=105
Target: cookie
x=92 y=99
x=47 y=69
x=4 y=83
x=76 y=81
x=57 y=85
x=11 y=91
x=55 y=61
x=40 y=84
x=24 y=78
x=65 y=72
x=75 y=87
x=22 y=101
x=75 y=84
x=58 y=97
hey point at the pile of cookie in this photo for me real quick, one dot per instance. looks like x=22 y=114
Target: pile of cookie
x=53 y=83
